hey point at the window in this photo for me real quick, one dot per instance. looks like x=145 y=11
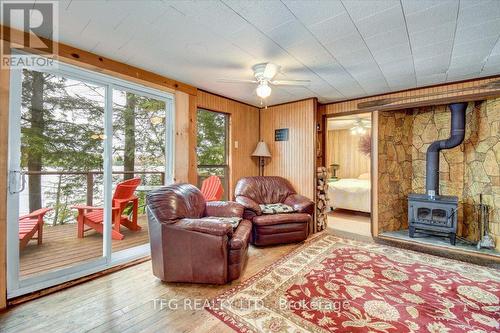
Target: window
x=213 y=147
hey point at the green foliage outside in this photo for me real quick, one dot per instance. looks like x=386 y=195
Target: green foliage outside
x=62 y=130
x=211 y=148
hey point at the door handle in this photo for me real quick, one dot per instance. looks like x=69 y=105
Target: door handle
x=14 y=176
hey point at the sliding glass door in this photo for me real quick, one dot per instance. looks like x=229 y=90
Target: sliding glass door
x=76 y=141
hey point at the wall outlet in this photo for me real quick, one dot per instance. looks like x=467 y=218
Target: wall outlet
x=235 y=144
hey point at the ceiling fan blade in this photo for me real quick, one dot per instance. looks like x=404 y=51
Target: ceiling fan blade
x=222 y=80
x=271 y=70
x=290 y=82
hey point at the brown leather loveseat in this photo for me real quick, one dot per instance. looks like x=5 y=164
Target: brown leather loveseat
x=186 y=246
x=277 y=228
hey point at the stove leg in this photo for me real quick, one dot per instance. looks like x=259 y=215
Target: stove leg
x=411 y=231
x=453 y=238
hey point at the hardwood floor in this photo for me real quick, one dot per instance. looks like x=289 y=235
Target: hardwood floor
x=61 y=247
x=124 y=302
x=345 y=223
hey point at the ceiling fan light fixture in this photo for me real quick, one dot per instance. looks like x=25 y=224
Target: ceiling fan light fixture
x=263 y=90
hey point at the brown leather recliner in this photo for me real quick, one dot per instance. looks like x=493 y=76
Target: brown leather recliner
x=274 y=228
x=187 y=247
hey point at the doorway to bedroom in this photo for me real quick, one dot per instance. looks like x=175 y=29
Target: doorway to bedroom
x=348 y=161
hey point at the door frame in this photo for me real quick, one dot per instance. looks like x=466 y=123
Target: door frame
x=15 y=285
x=373 y=160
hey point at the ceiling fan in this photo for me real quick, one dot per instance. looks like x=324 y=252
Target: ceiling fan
x=264 y=77
x=360 y=126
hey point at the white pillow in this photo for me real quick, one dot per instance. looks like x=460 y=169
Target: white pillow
x=364 y=176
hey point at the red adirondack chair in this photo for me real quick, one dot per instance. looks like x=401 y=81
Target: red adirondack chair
x=212 y=189
x=31 y=224
x=93 y=217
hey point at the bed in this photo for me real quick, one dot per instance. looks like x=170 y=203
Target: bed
x=351 y=193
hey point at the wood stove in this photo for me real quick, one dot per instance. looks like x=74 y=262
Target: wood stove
x=436 y=216
x=432 y=213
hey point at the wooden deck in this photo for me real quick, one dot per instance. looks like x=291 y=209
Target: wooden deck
x=62 y=248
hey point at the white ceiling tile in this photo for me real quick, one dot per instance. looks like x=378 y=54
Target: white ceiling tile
x=435 y=65
x=489 y=28
x=214 y=15
x=482 y=11
x=110 y=14
x=333 y=28
x=465 y=70
x=470 y=3
x=375 y=86
x=372 y=75
x=458 y=77
x=398 y=68
x=363 y=9
x=392 y=54
x=496 y=49
x=471 y=59
x=401 y=80
x=359 y=61
x=491 y=66
x=310 y=52
x=480 y=47
x=387 y=39
x=314 y=11
x=412 y=6
x=427 y=80
x=290 y=33
x=266 y=15
x=433 y=49
x=348 y=44
x=440 y=33
x=390 y=19
x=423 y=20
x=494 y=60
x=254 y=43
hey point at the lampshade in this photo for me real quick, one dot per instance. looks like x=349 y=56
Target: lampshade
x=261 y=150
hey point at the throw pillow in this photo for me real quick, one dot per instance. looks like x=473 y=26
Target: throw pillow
x=234 y=221
x=276 y=208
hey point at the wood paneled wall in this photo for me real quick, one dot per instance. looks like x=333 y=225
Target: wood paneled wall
x=342 y=149
x=467 y=91
x=243 y=133
x=185 y=138
x=294 y=159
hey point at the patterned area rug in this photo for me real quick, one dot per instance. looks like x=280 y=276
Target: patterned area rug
x=336 y=285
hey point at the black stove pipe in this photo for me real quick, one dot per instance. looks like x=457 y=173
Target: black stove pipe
x=457 y=134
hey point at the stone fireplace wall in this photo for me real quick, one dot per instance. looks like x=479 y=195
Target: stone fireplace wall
x=465 y=171
x=395 y=169
x=482 y=167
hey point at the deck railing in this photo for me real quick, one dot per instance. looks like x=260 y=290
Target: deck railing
x=203 y=172
x=90 y=175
